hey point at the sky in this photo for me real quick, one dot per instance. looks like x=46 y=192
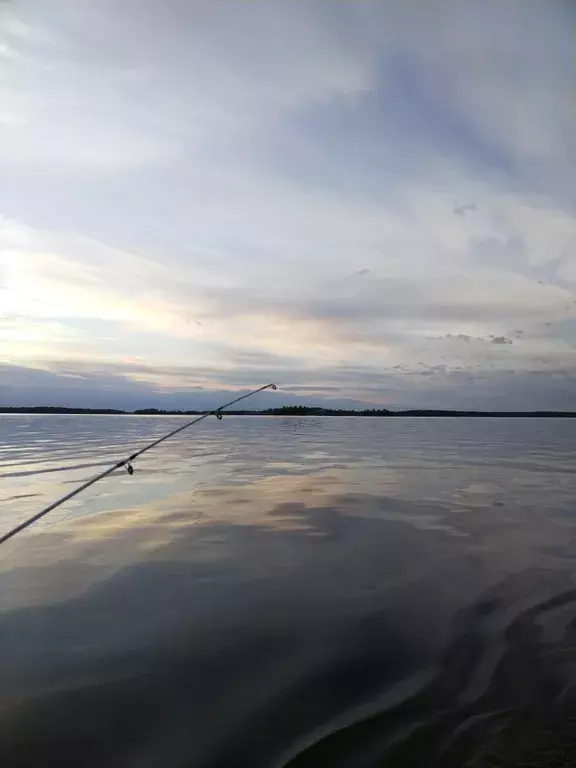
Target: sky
x=369 y=203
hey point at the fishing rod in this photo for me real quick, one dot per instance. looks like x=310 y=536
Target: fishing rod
x=127 y=463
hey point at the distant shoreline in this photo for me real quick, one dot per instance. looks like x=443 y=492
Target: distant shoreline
x=294 y=411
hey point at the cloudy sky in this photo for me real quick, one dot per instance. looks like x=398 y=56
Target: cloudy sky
x=366 y=202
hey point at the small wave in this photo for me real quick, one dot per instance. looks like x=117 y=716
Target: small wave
x=19 y=496
x=67 y=468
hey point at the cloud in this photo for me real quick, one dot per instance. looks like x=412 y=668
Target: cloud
x=462 y=210
x=172 y=80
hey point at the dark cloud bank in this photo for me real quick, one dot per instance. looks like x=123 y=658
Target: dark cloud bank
x=112 y=386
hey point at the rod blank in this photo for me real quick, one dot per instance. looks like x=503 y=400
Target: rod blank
x=127 y=463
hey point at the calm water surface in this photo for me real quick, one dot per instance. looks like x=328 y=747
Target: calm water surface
x=270 y=592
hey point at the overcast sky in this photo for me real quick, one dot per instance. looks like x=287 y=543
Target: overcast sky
x=365 y=202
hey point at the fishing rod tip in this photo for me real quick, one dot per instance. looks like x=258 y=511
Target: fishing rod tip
x=272 y=386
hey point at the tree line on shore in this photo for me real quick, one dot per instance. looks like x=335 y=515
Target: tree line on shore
x=285 y=410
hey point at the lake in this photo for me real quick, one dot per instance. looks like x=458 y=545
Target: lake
x=268 y=592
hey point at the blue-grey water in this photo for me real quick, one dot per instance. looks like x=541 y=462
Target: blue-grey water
x=271 y=592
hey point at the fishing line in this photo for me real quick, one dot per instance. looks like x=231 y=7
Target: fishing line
x=126 y=463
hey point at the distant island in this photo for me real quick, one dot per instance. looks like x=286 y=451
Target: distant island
x=294 y=410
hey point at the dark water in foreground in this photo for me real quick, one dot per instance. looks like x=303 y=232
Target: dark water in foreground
x=291 y=592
